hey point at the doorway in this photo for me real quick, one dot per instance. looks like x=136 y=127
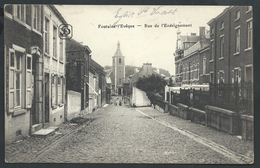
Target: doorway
x=34 y=113
x=47 y=98
x=119 y=91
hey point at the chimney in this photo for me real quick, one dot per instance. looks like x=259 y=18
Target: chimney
x=202 y=32
x=147 y=69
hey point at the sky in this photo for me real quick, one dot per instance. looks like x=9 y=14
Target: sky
x=139 y=44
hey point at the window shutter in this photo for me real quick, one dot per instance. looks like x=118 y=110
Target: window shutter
x=232 y=76
x=52 y=91
x=63 y=90
x=59 y=90
x=11 y=79
x=29 y=81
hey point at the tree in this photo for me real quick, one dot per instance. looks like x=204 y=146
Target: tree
x=152 y=84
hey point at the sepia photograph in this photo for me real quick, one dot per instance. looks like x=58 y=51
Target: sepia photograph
x=142 y=84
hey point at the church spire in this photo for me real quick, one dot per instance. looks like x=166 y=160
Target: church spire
x=118 y=51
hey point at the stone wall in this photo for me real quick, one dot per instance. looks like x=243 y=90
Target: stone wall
x=73 y=104
x=223 y=120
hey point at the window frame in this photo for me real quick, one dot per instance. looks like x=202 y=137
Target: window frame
x=204 y=63
x=46 y=32
x=249 y=22
x=212 y=29
x=222 y=47
x=212 y=46
x=249 y=8
x=222 y=25
x=54 y=41
x=237 y=40
x=37 y=18
x=22 y=84
x=238 y=15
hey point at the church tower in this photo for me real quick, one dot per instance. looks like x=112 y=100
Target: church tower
x=118 y=74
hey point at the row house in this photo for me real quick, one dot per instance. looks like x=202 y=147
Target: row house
x=183 y=42
x=97 y=82
x=191 y=55
x=34 y=69
x=231 y=48
x=77 y=70
x=194 y=66
x=84 y=76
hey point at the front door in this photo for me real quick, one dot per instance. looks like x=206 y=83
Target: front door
x=47 y=98
x=119 y=91
x=34 y=115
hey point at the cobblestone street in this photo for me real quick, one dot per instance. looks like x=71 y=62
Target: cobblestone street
x=119 y=134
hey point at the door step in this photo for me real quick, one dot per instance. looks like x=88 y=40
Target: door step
x=45 y=132
x=36 y=127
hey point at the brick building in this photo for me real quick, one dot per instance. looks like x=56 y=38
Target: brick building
x=77 y=70
x=191 y=55
x=231 y=48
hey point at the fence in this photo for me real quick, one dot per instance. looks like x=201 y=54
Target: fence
x=200 y=99
x=235 y=97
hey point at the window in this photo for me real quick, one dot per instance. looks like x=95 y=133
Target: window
x=221 y=46
x=119 y=60
x=249 y=74
x=237 y=40
x=59 y=90
x=61 y=50
x=36 y=17
x=249 y=34
x=54 y=41
x=15 y=79
x=221 y=77
x=212 y=77
x=46 y=35
x=237 y=76
x=249 y=8
x=192 y=71
x=28 y=15
x=204 y=65
x=212 y=30
x=222 y=25
x=9 y=9
x=212 y=50
x=54 y=91
x=237 y=15
x=119 y=81
x=19 y=12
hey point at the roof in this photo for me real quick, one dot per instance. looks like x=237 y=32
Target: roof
x=190 y=39
x=221 y=14
x=95 y=66
x=118 y=51
x=57 y=13
x=108 y=72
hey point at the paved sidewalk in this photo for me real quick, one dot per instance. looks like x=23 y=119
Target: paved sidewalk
x=231 y=142
x=30 y=148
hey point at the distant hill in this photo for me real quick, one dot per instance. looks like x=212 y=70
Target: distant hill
x=129 y=70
